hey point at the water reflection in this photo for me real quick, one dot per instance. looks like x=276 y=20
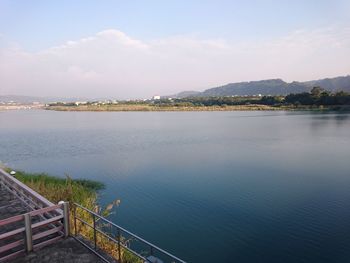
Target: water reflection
x=265 y=185
x=324 y=120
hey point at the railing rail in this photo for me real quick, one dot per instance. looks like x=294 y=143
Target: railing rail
x=102 y=226
x=33 y=235
x=23 y=192
x=44 y=224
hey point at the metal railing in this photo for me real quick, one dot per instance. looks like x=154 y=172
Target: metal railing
x=24 y=193
x=44 y=224
x=128 y=247
x=33 y=230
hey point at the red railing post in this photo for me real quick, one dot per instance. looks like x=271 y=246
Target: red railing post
x=28 y=232
x=66 y=218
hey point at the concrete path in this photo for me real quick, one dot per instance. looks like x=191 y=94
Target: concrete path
x=64 y=251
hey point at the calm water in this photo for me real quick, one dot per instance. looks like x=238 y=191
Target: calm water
x=207 y=186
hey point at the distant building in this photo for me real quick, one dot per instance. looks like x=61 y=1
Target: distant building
x=77 y=103
x=156 y=97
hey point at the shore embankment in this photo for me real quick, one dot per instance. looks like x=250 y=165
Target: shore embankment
x=154 y=108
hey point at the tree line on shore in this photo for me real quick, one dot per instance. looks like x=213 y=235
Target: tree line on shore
x=316 y=97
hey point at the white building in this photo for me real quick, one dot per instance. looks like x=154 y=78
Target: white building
x=156 y=97
x=77 y=103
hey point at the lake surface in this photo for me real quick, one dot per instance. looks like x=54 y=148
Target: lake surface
x=206 y=186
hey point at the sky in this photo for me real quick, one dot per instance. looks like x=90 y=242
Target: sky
x=137 y=49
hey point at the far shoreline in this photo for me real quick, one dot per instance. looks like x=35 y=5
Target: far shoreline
x=149 y=108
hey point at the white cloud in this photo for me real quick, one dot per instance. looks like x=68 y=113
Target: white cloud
x=111 y=63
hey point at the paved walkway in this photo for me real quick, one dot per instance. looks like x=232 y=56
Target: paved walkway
x=65 y=251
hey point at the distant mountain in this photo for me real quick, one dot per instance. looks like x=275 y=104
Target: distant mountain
x=272 y=87
x=331 y=84
x=264 y=87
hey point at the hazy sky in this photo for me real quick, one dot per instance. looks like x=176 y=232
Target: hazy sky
x=136 y=49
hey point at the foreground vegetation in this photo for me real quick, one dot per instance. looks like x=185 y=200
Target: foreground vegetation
x=317 y=98
x=84 y=192
x=56 y=189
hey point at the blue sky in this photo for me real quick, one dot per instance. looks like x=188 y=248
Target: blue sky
x=41 y=24
x=34 y=27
